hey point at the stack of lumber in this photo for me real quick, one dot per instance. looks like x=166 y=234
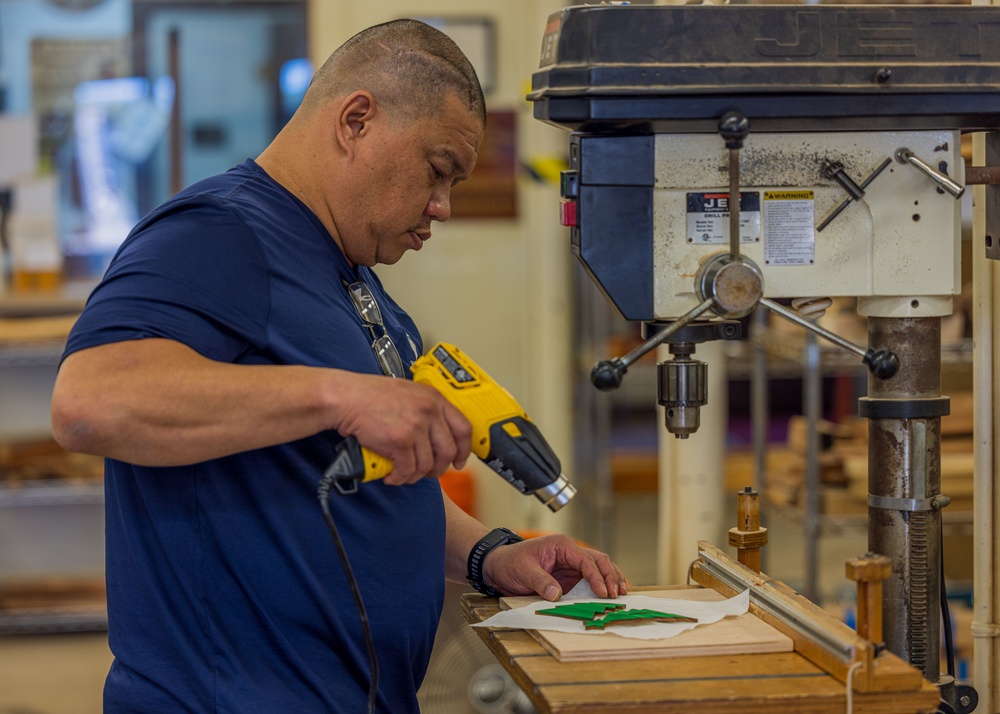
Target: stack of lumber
x=41 y=459
x=786 y=468
x=843 y=462
x=51 y=593
x=25 y=459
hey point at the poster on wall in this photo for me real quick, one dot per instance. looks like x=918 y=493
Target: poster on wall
x=491 y=192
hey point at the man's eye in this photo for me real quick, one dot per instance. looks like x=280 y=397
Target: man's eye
x=438 y=174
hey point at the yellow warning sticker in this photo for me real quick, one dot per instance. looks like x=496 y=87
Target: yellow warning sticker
x=788 y=195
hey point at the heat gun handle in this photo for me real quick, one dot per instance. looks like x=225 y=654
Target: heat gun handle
x=353 y=464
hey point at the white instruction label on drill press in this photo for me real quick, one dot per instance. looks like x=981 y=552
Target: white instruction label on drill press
x=708 y=217
x=789 y=235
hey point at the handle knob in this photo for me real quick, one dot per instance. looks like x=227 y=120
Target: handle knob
x=882 y=363
x=734 y=127
x=905 y=156
x=607 y=374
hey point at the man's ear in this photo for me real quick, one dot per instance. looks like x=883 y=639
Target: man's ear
x=354 y=117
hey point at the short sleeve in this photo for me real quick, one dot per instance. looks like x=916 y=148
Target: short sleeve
x=193 y=273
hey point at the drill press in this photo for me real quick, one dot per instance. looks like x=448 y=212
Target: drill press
x=723 y=158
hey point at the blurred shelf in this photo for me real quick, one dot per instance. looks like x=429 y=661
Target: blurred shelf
x=69 y=299
x=53 y=604
x=51 y=493
x=31 y=354
x=81 y=618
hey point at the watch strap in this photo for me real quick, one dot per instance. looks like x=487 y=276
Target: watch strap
x=494 y=539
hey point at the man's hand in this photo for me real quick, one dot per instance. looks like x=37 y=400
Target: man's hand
x=410 y=424
x=550 y=566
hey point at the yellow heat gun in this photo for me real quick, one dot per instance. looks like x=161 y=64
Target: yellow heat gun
x=502 y=435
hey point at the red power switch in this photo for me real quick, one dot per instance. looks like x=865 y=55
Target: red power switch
x=567 y=213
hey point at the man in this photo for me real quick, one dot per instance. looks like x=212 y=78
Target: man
x=237 y=337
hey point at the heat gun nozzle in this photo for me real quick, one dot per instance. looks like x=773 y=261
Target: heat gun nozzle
x=557 y=494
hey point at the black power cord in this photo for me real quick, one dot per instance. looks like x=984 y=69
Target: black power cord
x=949 y=641
x=323 y=492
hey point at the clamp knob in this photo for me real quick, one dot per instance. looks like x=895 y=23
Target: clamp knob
x=869 y=570
x=748 y=537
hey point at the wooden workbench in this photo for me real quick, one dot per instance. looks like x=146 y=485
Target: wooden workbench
x=782 y=683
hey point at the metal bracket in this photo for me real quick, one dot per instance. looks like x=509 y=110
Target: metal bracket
x=992 y=207
x=908 y=504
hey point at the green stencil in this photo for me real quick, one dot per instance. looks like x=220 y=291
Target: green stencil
x=597 y=615
x=581 y=610
x=634 y=616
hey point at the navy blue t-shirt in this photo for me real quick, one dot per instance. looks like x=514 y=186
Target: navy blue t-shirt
x=225 y=593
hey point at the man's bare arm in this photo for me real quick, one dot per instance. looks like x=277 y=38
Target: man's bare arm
x=463 y=532
x=157 y=402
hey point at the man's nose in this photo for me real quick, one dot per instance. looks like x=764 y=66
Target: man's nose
x=439 y=207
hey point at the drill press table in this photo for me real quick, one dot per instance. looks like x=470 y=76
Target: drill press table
x=775 y=683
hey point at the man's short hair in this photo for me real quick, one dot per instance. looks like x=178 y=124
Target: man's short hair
x=407 y=65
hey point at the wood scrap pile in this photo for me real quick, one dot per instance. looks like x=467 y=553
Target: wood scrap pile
x=843 y=462
x=52 y=593
x=41 y=459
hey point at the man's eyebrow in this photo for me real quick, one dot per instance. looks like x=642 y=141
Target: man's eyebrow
x=456 y=163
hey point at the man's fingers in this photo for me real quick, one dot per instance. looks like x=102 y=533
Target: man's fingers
x=449 y=448
x=461 y=431
x=403 y=466
x=609 y=574
x=550 y=566
x=601 y=586
x=600 y=572
x=429 y=436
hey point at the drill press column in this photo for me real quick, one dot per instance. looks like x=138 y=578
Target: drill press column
x=904 y=485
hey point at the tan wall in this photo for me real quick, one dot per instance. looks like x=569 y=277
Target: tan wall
x=499 y=289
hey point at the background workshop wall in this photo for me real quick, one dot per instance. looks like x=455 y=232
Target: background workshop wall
x=498 y=288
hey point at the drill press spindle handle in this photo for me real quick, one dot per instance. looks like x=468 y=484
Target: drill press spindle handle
x=882 y=363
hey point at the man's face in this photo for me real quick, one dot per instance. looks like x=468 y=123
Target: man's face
x=403 y=180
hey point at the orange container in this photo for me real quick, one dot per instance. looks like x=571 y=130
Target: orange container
x=461 y=489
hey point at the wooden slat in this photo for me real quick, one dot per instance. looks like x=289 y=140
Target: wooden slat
x=549 y=670
x=724 y=695
x=518 y=643
x=887 y=673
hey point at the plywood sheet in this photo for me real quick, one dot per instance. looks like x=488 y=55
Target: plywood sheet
x=745 y=634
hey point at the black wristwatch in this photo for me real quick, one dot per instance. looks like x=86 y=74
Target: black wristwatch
x=494 y=539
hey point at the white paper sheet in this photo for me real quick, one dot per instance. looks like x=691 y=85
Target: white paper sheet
x=705 y=612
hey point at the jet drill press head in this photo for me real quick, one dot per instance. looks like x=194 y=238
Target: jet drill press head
x=723 y=158
x=777 y=164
